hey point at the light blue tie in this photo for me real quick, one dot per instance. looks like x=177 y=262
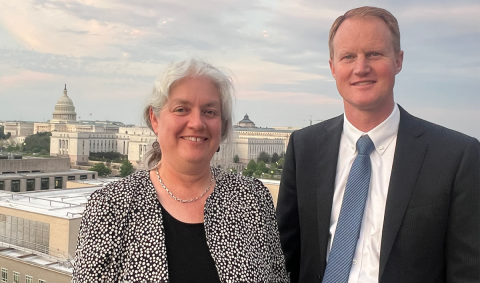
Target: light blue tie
x=351 y=214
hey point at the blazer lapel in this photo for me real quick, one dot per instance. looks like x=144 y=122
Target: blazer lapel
x=328 y=145
x=409 y=155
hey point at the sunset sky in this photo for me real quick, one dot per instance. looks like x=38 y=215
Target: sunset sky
x=109 y=53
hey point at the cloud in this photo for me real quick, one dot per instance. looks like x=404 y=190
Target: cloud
x=109 y=52
x=293 y=98
x=23 y=77
x=75 y=31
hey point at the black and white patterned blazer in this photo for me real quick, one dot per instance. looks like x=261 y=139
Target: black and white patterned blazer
x=122 y=238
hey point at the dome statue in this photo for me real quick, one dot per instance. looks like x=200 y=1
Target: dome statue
x=64 y=109
x=246 y=122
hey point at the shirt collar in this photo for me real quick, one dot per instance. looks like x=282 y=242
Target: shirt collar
x=381 y=136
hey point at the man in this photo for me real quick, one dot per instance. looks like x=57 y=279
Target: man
x=404 y=191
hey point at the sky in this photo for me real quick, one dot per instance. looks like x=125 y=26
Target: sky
x=109 y=53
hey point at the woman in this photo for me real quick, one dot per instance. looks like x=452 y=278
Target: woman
x=182 y=221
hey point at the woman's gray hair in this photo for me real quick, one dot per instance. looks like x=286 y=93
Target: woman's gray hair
x=172 y=75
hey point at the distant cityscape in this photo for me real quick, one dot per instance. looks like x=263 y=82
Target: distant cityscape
x=42 y=199
x=76 y=139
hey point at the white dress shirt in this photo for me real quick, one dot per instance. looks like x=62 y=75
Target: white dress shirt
x=365 y=266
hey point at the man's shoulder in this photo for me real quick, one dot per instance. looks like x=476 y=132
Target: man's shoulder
x=332 y=124
x=435 y=133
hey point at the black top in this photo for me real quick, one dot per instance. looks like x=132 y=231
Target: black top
x=189 y=259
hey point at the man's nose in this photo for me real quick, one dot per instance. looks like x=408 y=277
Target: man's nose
x=362 y=66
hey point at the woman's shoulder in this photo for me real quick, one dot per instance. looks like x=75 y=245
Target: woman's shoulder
x=238 y=183
x=232 y=178
x=122 y=190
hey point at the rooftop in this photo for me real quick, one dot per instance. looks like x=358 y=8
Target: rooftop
x=65 y=203
x=36 y=258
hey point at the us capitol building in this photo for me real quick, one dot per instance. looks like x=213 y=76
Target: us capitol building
x=76 y=139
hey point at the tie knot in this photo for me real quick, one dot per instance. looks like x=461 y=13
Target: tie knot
x=365 y=145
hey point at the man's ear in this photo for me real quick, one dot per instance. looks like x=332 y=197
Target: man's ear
x=399 y=62
x=332 y=67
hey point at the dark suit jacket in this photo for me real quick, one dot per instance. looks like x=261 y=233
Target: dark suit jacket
x=431 y=229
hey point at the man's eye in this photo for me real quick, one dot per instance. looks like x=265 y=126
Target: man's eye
x=180 y=110
x=348 y=57
x=375 y=54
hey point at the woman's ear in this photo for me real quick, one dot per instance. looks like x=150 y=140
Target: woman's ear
x=153 y=120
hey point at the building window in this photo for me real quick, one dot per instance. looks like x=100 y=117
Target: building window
x=30 y=184
x=71 y=178
x=4 y=275
x=45 y=184
x=16 y=277
x=93 y=176
x=28 y=279
x=16 y=186
x=2 y=185
x=58 y=182
x=83 y=177
x=41 y=281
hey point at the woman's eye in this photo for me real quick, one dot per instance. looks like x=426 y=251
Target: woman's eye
x=210 y=112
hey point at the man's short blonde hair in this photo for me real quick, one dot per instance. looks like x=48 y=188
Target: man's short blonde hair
x=367 y=12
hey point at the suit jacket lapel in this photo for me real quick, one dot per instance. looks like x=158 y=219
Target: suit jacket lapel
x=409 y=155
x=328 y=145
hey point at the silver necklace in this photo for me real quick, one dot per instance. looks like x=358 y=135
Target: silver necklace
x=183 y=200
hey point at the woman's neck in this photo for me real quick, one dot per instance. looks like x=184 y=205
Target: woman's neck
x=184 y=177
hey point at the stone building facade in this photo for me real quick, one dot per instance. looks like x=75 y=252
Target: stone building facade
x=77 y=139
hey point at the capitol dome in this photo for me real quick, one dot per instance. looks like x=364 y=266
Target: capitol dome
x=64 y=109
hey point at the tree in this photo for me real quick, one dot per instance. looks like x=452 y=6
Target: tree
x=126 y=168
x=263 y=156
x=101 y=169
x=275 y=157
x=12 y=146
x=236 y=159
x=280 y=163
x=109 y=156
x=251 y=167
x=37 y=142
x=262 y=167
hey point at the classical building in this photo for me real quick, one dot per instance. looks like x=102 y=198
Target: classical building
x=77 y=139
x=246 y=122
x=249 y=141
x=64 y=109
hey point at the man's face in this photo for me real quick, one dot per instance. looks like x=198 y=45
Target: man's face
x=364 y=65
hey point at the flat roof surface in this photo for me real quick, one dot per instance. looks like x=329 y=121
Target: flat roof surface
x=66 y=203
x=36 y=258
x=47 y=174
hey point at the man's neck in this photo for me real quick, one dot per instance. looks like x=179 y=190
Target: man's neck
x=366 y=120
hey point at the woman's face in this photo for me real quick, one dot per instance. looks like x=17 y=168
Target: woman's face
x=189 y=125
